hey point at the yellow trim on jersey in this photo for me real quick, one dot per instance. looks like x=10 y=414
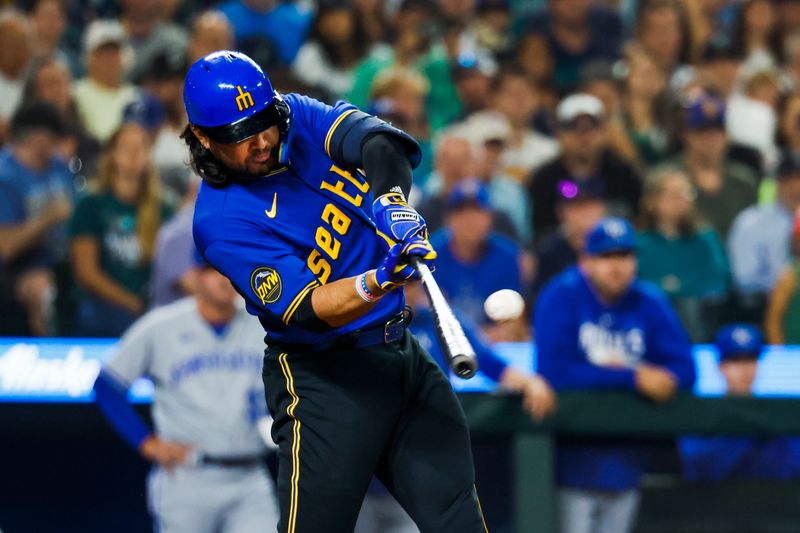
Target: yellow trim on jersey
x=480 y=509
x=297 y=300
x=333 y=127
x=278 y=171
x=287 y=373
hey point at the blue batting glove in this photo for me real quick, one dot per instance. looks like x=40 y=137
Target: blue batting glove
x=418 y=247
x=395 y=270
x=396 y=219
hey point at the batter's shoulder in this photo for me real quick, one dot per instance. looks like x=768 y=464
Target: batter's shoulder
x=234 y=209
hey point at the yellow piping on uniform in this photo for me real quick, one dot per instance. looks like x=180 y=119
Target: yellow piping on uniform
x=277 y=171
x=297 y=300
x=333 y=128
x=287 y=373
x=480 y=509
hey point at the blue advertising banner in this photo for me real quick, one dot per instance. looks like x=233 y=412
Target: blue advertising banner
x=63 y=370
x=57 y=370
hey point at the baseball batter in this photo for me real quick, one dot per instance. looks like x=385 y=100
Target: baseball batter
x=203 y=356
x=318 y=249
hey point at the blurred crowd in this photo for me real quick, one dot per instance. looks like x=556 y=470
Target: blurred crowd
x=550 y=129
x=537 y=119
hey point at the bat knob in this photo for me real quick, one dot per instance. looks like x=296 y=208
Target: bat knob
x=464 y=366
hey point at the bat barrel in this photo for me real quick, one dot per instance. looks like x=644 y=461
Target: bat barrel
x=455 y=345
x=464 y=366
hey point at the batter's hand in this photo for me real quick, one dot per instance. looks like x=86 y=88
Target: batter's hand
x=397 y=220
x=166 y=453
x=394 y=270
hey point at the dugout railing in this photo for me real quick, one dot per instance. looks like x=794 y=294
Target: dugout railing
x=626 y=415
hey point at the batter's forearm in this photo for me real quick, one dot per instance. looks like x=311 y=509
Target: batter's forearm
x=338 y=303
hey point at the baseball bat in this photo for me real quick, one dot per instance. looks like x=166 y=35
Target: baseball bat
x=454 y=343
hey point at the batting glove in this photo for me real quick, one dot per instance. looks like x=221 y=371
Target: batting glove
x=395 y=269
x=418 y=247
x=396 y=219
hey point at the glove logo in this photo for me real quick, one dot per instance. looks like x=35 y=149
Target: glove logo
x=266 y=284
x=404 y=215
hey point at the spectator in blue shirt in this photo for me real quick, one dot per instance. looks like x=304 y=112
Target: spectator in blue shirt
x=712 y=459
x=282 y=25
x=36 y=197
x=599 y=328
x=758 y=244
x=473 y=261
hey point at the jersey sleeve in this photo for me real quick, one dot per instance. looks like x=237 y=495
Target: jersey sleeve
x=669 y=345
x=342 y=128
x=111 y=397
x=266 y=272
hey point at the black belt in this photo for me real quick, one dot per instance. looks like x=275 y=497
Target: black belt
x=232 y=461
x=383 y=333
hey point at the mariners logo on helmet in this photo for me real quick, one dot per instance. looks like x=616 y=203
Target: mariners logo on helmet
x=244 y=100
x=266 y=284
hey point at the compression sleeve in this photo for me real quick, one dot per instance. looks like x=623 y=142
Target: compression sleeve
x=386 y=164
x=111 y=398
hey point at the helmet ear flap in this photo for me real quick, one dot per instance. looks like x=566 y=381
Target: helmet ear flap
x=284 y=112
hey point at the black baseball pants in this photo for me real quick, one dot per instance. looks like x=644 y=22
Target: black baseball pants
x=342 y=415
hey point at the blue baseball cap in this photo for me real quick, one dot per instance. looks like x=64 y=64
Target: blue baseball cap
x=146 y=110
x=739 y=341
x=469 y=192
x=704 y=113
x=611 y=234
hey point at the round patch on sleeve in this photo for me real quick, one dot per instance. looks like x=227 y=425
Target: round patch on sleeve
x=266 y=284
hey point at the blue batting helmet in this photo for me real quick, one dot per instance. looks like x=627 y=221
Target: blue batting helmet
x=230 y=99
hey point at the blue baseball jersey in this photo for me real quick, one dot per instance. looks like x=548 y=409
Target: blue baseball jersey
x=305 y=224
x=582 y=343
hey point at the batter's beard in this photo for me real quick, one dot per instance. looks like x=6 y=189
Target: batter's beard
x=270 y=165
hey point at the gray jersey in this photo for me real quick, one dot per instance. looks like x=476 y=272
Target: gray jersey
x=208 y=388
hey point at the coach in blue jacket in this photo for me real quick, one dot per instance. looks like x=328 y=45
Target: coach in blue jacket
x=599 y=328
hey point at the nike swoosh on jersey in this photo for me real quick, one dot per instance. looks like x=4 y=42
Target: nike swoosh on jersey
x=274 y=211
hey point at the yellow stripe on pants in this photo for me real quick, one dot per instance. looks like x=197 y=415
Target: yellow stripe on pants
x=292 y=519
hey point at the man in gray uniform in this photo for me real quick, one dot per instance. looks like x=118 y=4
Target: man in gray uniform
x=202 y=354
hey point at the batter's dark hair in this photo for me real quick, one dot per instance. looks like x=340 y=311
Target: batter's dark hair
x=204 y=163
